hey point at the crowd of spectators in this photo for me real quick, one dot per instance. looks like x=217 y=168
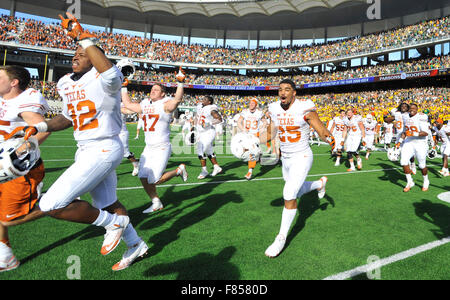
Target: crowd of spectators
x=397 y=67
x=37 y=33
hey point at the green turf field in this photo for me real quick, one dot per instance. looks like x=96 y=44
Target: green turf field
x=219 y=228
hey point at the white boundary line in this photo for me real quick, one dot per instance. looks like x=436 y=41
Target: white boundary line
x=255 y=179
x=388 y=260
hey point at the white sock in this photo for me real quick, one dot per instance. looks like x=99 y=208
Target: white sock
x=130 y=236
x=204 y=169
x=352 y=165
x=425 y=177
x=338 y=160
x=287 y=218
x=409 y=178
x=250 y=171
x=135 y=164
x=104 y=219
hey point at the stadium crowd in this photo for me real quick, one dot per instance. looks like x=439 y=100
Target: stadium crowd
x=38 y=33
x=396 y=67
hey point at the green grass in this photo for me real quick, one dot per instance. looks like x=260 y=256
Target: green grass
x=221 y=230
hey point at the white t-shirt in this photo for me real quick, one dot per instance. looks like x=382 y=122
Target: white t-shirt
x=92 y=103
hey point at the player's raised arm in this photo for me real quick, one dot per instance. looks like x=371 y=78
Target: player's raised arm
x=172 y=104
x=74 y=30
x=126 y=100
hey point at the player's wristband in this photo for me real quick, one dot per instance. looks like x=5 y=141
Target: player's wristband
x=400 y=140
x=41 y=127
x=180 y=84
x=86 y=43
x=124 y=89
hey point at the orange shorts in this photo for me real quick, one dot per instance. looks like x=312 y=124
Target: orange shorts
x=19 y=196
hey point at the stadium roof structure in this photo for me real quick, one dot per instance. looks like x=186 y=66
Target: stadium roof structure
x=242 y=19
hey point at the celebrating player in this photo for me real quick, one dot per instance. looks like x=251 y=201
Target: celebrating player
x=337 y=130
x=156 y=114
x=291 y=118
x=354 y=132
x=91 y=105
x=444 y=136
x=250 y=122
x=371 y=127
x=415 y=145
x=207 y=117
x=19 y=106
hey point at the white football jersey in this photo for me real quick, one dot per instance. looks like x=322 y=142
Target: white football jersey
x=416 y=124
x=204 y=117
x=353 y=125
x=399 y=122
x=252 y=120
x=388 y=128
x=156 y=122
x=339 y=126
x=293 y=130
x=93 y=104
x=29 y=100
x=370 y=127
x=443 y=135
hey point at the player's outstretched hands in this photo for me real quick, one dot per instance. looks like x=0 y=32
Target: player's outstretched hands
x=73 y=28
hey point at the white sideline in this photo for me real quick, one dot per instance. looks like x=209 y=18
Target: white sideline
x=388 y=260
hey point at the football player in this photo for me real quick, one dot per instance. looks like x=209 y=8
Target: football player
x=414 y=140
x=19 y=106
x=444 y=135
x=291 y=118
x=156 y=114
x=370 y=125
x=251 y=121
x=207 y=117
x=337 y=130
x=91 y=105
x=355 y=133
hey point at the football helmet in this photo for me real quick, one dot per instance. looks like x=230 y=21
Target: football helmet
x=191 y=138
x=14 y=164
x=127 y=67
x=393 y=154
x=431 y=153
x=245 y=146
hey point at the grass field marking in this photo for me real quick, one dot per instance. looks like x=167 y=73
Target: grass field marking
x=255 y=179
x=388 y=260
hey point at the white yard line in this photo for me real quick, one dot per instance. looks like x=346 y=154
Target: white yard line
x=388 y=260
x=256 y=179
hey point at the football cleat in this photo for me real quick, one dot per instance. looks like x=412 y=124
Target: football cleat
x=351 y=170
x=203 y=174
x=444 y=173
x=156 y=205
x=9 y=263
x=321 y=191
x=181 y=170
x=248 y=176
x=137 y=251
x=216 y=170
x=408 y=187
x=114 y=233
x=135 y=171
x=276 y=246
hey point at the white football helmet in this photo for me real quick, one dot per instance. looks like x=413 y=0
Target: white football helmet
x=431 y=153
x=127 y=67
x=245 y=146
x=393 y=154
x=13 y=164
